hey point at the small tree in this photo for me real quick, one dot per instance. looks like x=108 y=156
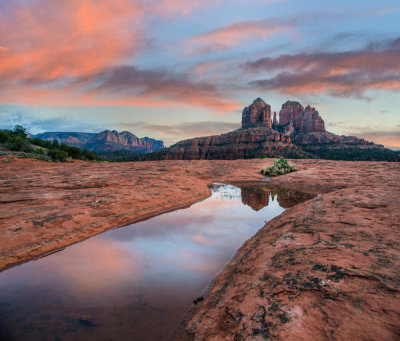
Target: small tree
x=55 y=144
x=20 y=131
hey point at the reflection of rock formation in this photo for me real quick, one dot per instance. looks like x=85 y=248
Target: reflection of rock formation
x=257 y=196
x=288 y=198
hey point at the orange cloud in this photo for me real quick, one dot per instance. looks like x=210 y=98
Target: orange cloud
x=52 y=52
x=47 y=40
x=181 y=7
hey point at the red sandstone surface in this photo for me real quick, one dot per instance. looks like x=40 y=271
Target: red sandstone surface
x=45 y=206
x=328 y=268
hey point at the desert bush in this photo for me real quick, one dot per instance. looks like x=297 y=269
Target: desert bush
x=280 y=167
x=4 y=136
x=57 y=155
x=16 y=143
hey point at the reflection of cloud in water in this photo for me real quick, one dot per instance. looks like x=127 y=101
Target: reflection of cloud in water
x=225 y=192
x=199 y=216
x=168 y=258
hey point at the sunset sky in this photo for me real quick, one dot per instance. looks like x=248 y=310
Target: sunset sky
x=173 y=69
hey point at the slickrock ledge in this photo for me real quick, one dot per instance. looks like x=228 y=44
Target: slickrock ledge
x=46 y=206
x=326 y=269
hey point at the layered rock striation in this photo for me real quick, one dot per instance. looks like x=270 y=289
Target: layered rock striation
x=239 y=144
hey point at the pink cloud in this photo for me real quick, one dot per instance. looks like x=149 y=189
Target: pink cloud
x=51 y=52
x=335 y=73
x=229 y=36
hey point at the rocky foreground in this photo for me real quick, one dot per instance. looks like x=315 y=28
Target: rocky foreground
x=328 y=268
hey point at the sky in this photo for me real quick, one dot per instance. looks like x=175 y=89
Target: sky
x=175 y=69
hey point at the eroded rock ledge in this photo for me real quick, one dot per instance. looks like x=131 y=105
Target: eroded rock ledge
x=326 y=269
x=46 y=206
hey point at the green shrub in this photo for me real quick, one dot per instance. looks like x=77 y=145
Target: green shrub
x=55 y=144
x=39 y=151
x=90 y=155
x=263 y=156
x=16 y=143
x=41 y=143
x=57 y=155
x=280 y=167
x=4 y=136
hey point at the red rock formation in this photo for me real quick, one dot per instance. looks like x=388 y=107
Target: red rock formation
x=290 y=111
x=238 y=144
x=275 y=121
x=105 y=141
x=257 y=114
x=304 y=120
x=311 y=121
x=289 y=129
x=112 y=140
x=256 y=137
x=321 y=143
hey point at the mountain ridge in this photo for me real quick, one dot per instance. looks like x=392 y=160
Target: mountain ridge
x=105 y=141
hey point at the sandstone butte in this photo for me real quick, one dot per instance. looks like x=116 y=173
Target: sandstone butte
x=328 y=268
x=299 y=133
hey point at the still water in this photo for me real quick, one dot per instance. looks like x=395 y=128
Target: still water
x=135 y=282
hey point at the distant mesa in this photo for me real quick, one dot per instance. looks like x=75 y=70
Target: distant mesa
x=105 y=141
x=298 y=133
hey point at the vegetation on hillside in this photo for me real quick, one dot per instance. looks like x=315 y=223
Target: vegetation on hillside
x=280 y=167
x=354 y=154
x=18 y=141
x=120 y=156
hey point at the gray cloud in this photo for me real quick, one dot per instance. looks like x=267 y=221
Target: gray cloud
x=152 y=85
x=337 y=73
